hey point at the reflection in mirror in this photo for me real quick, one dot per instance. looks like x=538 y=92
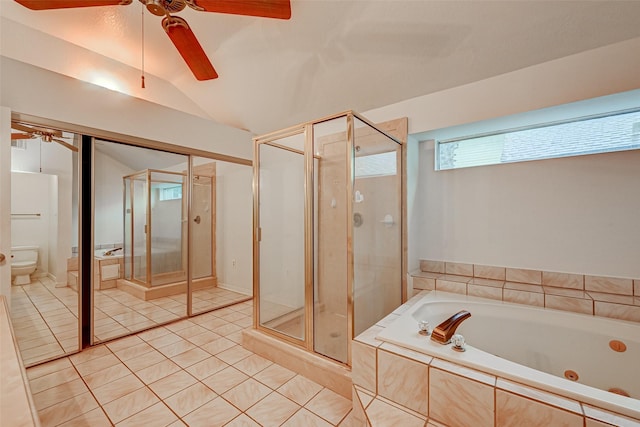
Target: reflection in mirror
x=221 y=224
x=140 y=239
x=44 y=241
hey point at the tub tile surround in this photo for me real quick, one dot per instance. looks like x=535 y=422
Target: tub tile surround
x=454 y=395
x=612 y=297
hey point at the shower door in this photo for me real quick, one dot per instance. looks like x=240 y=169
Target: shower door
x=281 y=237
x=167 y=230
x=138 y=249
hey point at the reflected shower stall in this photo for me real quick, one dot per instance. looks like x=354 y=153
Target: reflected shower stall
x=328 y=232
x=155 y=244
x=155 y=233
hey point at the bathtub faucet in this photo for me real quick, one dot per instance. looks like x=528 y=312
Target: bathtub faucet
x=445 y=330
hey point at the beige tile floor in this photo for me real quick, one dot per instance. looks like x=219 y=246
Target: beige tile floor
x=45 y=317
x=191 y=372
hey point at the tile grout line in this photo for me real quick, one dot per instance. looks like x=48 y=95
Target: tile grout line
x=184 y=369
x=35 y=306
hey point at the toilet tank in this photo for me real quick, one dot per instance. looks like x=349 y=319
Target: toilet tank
x=24 y=254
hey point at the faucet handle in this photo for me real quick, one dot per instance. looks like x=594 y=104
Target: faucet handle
x=458 y=343
x=423 y=327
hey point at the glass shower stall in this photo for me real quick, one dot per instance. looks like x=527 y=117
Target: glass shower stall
x=328 y=246
x=155 y=229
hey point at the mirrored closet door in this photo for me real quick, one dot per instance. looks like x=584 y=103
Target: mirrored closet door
x=44 y=241
x=140 y=240
x=220 y=228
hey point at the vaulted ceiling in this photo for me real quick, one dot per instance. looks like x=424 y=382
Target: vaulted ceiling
x=332 y=55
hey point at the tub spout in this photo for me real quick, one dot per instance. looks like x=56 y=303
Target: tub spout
x=444 y=331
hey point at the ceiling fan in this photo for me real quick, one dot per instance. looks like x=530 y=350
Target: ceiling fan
x=177 y=28
x=47 y=135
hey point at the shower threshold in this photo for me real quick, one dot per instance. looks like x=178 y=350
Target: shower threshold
x=149 y=293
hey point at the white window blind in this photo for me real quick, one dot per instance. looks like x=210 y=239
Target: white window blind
x=616 y=132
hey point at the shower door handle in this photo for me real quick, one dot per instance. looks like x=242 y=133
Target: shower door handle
x=197 y=219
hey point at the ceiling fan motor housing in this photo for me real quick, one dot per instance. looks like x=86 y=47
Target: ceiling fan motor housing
x=163 y=7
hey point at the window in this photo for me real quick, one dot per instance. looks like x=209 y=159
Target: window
x=371 y=165
x=171 y=193
x=602 y=134
x=19 y=144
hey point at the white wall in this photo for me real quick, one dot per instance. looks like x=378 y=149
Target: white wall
x=108 y=225
x=465 y=207
x=574 y=214
x=36 y=91
x=598 y=72
x=56 y=160
x=234 y=225
x=31 y=194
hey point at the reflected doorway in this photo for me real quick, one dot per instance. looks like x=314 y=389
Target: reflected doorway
x=220 y=229
x=44 y=241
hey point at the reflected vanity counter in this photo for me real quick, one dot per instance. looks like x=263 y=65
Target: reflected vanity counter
x=527 y=365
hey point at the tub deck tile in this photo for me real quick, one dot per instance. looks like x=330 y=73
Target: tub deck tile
x=609 y=417
x=610 y=285
x=462 y=371
x=432 y=266
x=455 y=287
x=524 y=287
x=523 y=297
x=524 y=276
x=613 y=298
x=617 y=311
x=382 y=413
x=489 y=272
x=484 y=291
x=514 y=410
x=487 y=282
x=563 y=280
x=368 y=337
x=405 y=352
x=576 y=305
x=540 y=396
x=459 y=401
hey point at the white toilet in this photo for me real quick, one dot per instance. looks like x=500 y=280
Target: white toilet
x=24 y=260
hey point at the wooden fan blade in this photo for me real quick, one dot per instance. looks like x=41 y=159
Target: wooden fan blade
x=65 y=4
x=66 y=144
x=36 y=130
x=189 y=48
x=280 y=9
x=21 y=136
